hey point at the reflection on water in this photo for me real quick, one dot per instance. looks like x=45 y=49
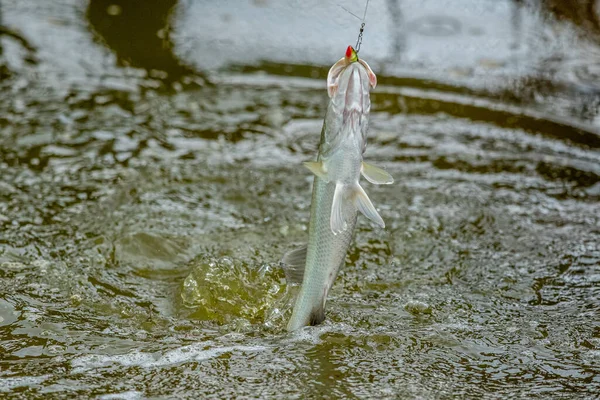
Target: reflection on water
x=398 y=30
x=138 y=35
x=141 y=229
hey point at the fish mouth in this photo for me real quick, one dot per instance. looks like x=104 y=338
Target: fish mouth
x=336 y=70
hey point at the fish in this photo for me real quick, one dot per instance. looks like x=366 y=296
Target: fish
x=337 y=196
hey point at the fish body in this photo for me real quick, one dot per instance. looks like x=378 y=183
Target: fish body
x=337 y=196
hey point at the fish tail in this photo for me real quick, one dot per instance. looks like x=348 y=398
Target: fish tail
x=308 y=310
x=317 y=316
x=314 y=316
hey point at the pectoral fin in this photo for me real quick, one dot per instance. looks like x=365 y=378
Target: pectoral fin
x=375 y=175
x=317 y=169
x=294 y=262
x=364 y=205
x=337 y=220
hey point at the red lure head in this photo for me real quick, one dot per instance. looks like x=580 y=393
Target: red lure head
x=351 y=55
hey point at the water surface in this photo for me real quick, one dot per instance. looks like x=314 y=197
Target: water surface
x=151 y=181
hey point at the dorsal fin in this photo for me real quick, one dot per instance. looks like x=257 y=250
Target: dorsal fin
x=294 y=262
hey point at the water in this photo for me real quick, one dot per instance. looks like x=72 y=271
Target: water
x=149 y=190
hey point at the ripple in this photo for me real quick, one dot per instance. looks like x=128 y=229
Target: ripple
x=8 y=384
x=142 y=225
x=193 y=353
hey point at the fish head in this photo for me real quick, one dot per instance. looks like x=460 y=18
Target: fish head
x=349 y=83
x=341 y=73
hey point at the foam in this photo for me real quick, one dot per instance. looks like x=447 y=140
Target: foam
x=192 y=353
x=8 y=384
x=131 y=395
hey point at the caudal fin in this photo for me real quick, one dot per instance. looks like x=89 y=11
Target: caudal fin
x=307 y=311
x=314 y=317
x=317 y=316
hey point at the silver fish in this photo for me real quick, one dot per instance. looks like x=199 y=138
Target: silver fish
x=337 y=196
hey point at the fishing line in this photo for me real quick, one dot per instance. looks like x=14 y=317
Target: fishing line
x=362 y=25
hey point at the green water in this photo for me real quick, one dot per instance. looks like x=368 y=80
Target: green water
x=143 y=215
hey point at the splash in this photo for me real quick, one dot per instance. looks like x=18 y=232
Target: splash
x=226 y=289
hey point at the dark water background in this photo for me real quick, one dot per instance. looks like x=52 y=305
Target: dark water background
x=150 y=158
